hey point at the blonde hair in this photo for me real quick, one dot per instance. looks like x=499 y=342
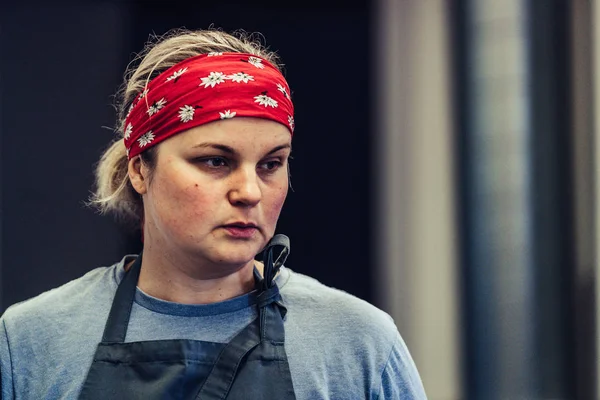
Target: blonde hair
x=113 y=191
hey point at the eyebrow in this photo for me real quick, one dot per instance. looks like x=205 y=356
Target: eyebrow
x=230 y=150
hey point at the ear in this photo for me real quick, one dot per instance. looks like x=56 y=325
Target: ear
x=138 y=175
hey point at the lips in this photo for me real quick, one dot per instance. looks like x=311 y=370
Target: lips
x=242 y=225
x=241 y=230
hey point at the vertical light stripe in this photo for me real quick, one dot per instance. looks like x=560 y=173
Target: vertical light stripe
x=584 y=173
x=497 y=178
x=415 y=229
x=595 y=48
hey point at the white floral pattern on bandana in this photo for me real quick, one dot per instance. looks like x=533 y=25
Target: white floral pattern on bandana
x=213 y=79
x=128 y=131
x=265 y=100
x=176 y=74
x=143 y=94
x=283 y=90
x=156 y=107
x=257 y=62
x=227 y=114
x=186 y=113
x=240 y=77
x=129 y=110
x=146 y=139
x=291 y=122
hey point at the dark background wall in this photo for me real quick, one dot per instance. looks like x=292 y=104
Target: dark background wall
x=59 y=66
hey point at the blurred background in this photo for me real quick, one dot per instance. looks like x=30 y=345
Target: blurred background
x=444 y=167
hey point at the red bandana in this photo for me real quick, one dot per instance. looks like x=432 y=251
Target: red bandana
x=206 y=88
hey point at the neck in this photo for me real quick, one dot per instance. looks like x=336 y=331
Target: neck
x=183 y=280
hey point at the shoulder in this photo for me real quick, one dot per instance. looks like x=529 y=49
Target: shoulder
x=331 y=330
x=60 y=301
x=66 y=309
x=42 y=338
x=338 y=319
x=339 y=307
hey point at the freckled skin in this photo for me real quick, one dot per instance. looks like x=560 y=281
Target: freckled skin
x=187 y=201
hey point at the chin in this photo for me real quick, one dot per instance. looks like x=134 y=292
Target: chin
x=223 y=250
x=235 y=254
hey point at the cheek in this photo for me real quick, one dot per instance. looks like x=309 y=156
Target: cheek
x=276 y=199
x=196 y=201
x=182 y=201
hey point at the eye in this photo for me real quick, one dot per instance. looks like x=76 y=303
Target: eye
x=214 y=162
x=270 y=165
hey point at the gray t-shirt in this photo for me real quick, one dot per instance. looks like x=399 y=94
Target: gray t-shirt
x=338 y=346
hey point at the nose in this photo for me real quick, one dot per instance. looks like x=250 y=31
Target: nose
x=245 y=189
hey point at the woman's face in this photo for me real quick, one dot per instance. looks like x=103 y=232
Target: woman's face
x=217 y=190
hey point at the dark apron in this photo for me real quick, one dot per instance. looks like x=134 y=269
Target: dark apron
x=253 y=365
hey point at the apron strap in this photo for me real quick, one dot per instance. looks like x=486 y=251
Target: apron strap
x=220 y=379
x=272 y=265
x=118 y=318
x=268 y=326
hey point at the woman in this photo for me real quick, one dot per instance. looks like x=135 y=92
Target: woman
x=206 y=124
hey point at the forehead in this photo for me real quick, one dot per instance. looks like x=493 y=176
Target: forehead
x=243 y=133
